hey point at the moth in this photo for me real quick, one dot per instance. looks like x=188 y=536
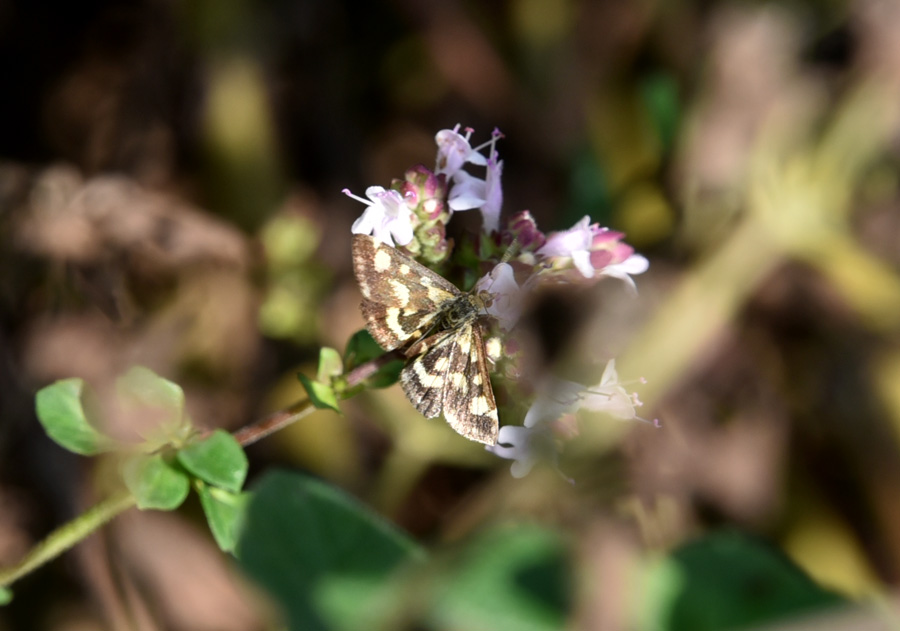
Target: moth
x=407 y=306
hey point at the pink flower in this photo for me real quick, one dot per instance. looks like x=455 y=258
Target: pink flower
x=611 y=257
x=594 y=251
x=454 y=151
x=387 y=218
x=574 y=244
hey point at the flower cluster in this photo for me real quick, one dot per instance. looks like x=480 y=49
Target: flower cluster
x=413 y=214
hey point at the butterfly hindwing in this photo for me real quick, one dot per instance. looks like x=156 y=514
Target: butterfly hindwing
x=424 y=378
x=468 y=402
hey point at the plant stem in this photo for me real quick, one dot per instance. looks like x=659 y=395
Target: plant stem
x=67 y=536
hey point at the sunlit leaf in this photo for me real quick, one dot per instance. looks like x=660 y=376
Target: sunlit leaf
x=6 y=596
x=330 y=364
x=61 y=410
x=144 y=387
x=321 y=395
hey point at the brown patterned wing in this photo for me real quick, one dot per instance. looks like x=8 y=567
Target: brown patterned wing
x=468 y=400
x=402 y=297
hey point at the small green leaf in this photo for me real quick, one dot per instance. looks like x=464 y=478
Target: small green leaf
x=145 y=387
x=155 y=483
x=217 y=459
x=387 y=375
x=330 y=365
x=361 y=348
x=321 y=395
x=61 y=410
x=224 y=513
x=6 y=596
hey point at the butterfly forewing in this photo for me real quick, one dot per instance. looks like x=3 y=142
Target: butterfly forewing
x=409 y=306
x=402 y=296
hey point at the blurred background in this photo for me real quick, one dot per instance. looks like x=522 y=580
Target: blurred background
x=170 y=177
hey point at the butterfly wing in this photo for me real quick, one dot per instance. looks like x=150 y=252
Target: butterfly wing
x=468 y=400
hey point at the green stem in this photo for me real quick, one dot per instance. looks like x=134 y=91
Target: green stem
x=67 y=536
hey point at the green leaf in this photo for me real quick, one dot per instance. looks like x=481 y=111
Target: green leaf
x=330 y=365
x=144 y=387
x=155 y=483
x=361 y=348
x=726 y=581
x=61 y=409
x=217 y=459
x=513 y=578
x=322 y=555
x=224 y=512
x=6 y=596
x=321 y=395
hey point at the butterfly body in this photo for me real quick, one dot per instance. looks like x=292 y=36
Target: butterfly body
x=408 y=306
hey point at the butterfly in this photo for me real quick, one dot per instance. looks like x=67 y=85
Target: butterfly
x=439 y=327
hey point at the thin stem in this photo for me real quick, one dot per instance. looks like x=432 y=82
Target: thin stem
x=258 y=430
x=67 y=536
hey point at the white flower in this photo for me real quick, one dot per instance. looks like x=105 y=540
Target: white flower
x=388 y=218
x=554 y=398
x=609 y=395
x=574 y=243
x=454 y=151
x=493 y=195
x=506 y=296
x=467 y=192
x=525 y=445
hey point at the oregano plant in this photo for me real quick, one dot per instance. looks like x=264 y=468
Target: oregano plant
x=450 y=346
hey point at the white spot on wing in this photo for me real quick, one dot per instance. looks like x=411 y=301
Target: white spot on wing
x=479 y=406
x=404 y=269
x=401 y=291
x=425 y=378
x=382 y=261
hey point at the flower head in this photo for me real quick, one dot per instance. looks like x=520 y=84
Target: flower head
x=387 y=218
x=594 y=251
x=610 y=396
x=572 y=245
